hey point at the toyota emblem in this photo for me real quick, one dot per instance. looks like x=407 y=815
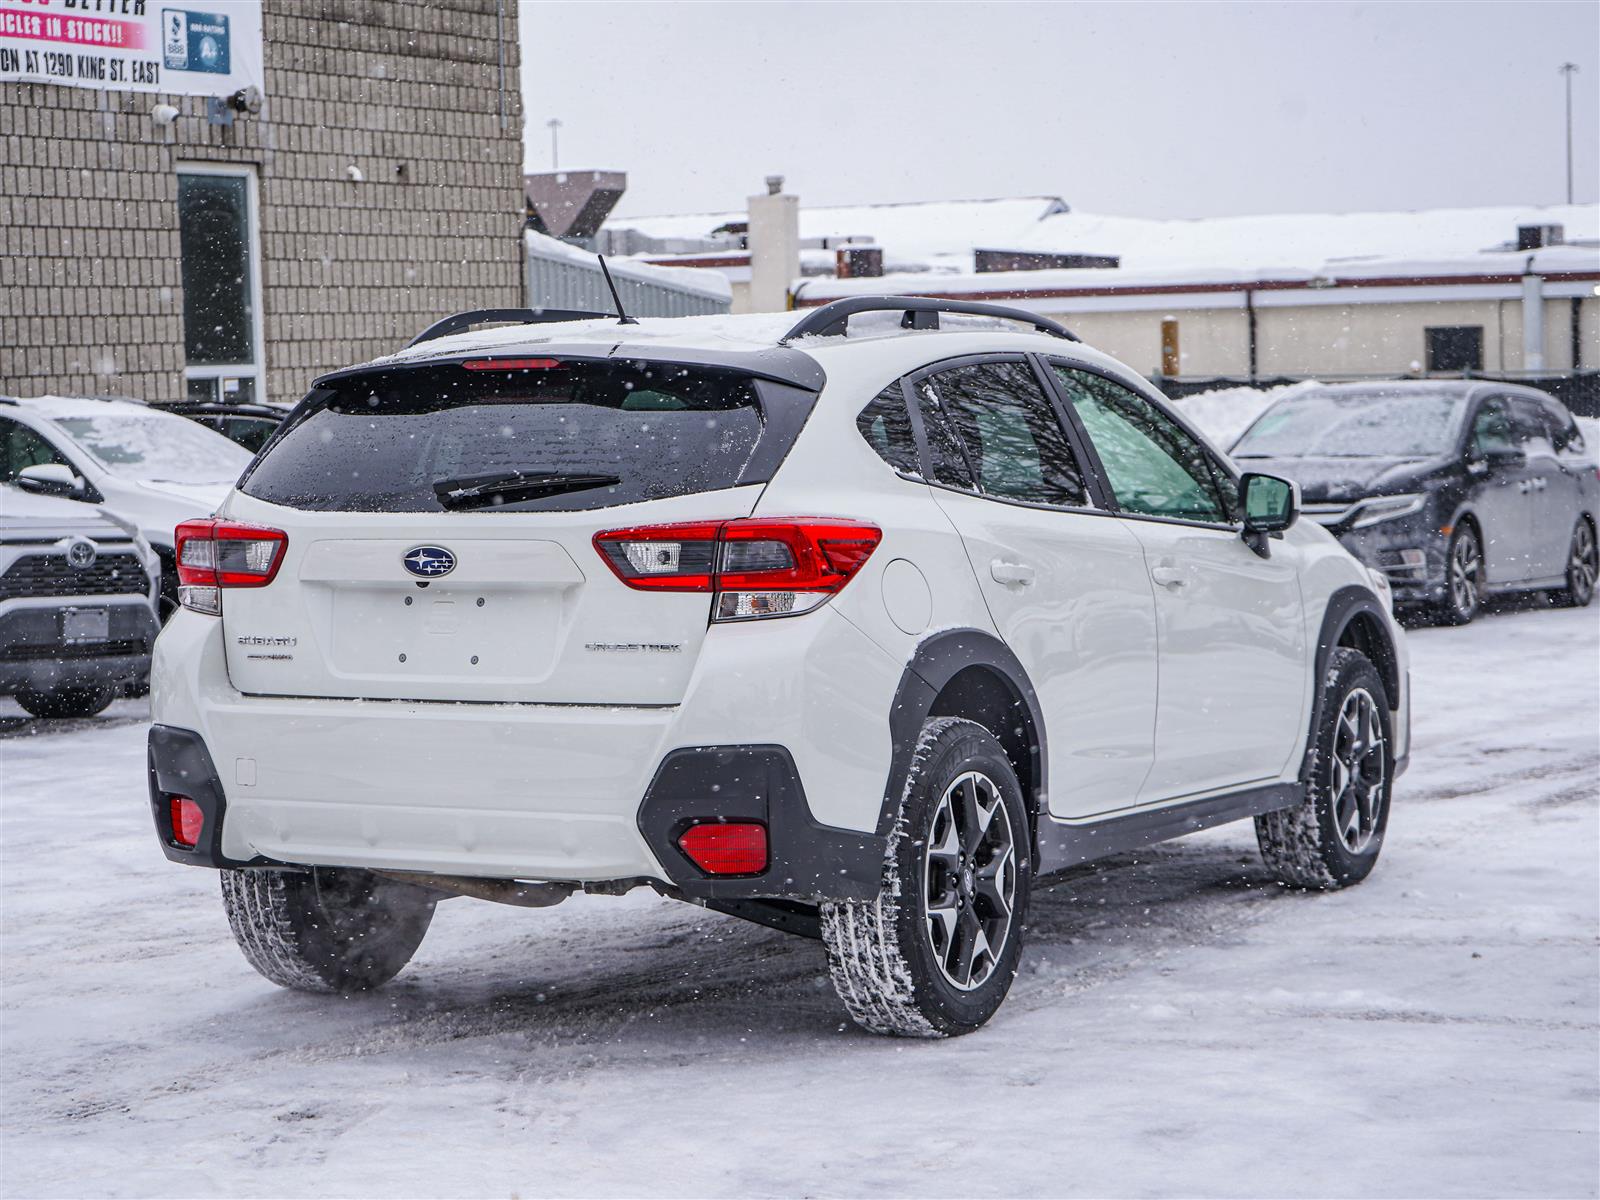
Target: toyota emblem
x=81 y=553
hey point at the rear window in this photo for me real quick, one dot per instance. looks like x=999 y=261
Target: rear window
x=572 y=436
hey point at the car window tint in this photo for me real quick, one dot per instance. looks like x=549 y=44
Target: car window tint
x=1152 y=464
x=887 y=428
x=24 y=448
x=1564 y=430
x=1008 y=432
x=1491 y=429
x=1533 y=432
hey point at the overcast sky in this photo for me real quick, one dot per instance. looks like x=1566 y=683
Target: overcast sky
x=1147 y=109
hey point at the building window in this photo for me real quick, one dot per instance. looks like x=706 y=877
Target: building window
x=221 y=282
x=1455 y=347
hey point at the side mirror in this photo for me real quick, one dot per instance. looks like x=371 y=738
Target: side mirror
x=1271 y=505
x=52 y=479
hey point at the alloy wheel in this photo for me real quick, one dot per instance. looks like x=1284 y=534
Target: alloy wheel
x=969 y=880
x=1359 y=770
x=1582 y=563
x=1466 y=564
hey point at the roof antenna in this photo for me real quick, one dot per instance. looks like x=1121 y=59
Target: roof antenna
x=622 y=317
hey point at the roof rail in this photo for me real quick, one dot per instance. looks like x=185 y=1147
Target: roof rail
x=515 y=316
x=919 y=312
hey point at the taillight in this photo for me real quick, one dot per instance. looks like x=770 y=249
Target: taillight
x=726 y=847
x=187 y=820
x=756 y=566
x=213 y=555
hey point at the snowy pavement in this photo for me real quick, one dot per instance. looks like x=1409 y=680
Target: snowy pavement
x=1180 y=1027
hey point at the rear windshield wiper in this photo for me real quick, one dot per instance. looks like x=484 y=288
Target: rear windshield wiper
x=507 y=487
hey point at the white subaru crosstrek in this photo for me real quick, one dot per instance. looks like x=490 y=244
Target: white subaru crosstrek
x=853 y=631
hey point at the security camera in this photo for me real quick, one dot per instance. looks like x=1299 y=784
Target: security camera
x=246 y=99
x=164 y=114
x=356 y=174
x=774 y=184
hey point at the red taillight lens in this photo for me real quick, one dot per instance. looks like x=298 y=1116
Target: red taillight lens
x=221 y=554
x=726 y=848
x=667 y=558
x=759 y=567
x=187 y=821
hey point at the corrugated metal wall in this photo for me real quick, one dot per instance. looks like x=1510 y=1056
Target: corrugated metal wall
x=559 y=282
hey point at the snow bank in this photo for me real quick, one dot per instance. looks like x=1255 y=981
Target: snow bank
x=1225 y=413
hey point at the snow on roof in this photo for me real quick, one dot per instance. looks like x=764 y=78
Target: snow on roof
x=1088 y=281
x=747 y=331
x=683 y=279
x=1296 y=239
x=938 y=233
x=81 y=406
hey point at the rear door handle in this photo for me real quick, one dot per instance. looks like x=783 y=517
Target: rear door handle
x=1002 y=571
x=1169 y=577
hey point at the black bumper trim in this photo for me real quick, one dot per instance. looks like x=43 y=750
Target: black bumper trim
x=809 y=860
x=180 y=765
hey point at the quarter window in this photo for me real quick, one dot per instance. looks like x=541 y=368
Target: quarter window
x=1153 y=465
x=887 y=427
x=993 y=422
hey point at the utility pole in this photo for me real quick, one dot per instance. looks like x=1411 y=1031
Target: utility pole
x=1568 y=70
x=554 y=124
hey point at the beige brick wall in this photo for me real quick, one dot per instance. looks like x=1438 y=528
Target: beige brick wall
x=91 y=298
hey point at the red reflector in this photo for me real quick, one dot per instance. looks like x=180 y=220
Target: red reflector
x=511 y=364
x=726 y=848
x=186 y=821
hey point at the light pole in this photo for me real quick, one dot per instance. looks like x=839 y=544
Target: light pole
x=554 y=124
x=1568 y=70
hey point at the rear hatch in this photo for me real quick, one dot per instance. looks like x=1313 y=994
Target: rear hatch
x=440 y=523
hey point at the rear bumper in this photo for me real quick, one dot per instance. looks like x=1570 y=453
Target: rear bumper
x=33 y=655
x=549 y=792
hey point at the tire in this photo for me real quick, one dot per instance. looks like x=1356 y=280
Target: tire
x=325 y=930
x=1332 y=839
x=1463 y=576
x=67 y=701
x=884 y=955
x=1583 y=565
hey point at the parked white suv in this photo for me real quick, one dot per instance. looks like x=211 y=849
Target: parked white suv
x=853 y=635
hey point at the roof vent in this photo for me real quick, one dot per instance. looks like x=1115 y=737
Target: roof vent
x=1536 y=237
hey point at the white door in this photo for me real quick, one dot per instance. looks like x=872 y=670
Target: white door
x=1231 y=624
x=1065 y=584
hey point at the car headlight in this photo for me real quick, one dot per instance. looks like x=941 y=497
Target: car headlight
x=1380 y=584
x=1387 y=508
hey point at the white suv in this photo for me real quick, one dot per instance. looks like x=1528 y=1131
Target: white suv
x=853 y=633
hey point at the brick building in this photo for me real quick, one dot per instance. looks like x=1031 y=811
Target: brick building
x=156 y=244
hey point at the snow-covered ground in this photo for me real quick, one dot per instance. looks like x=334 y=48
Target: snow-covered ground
x=1181 y=1026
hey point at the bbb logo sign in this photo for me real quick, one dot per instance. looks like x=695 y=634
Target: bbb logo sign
x=429 y=562
x=195 y=41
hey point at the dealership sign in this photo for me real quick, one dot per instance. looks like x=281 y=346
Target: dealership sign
x=211 y=49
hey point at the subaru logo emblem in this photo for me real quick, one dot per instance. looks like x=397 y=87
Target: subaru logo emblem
x=81 y=553
x=429 y=562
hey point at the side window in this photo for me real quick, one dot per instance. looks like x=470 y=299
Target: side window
x=1564 y=431
x=887 y=427
x=1491 y=429
x=21 y=447
x=1153 y=465
x=1532 y=428
x=1005 y=428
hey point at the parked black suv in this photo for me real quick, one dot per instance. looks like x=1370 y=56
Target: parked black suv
x=1453 y=489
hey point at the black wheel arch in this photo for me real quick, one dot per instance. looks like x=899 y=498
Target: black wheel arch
x=1356 y=619
x=968 y=673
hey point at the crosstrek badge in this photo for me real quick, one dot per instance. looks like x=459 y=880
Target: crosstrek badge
x=195 y=41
